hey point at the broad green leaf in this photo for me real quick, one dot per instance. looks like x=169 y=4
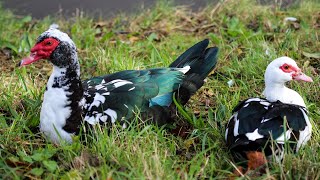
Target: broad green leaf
x=50 y=165
x=37 y=156
x=37 y=171
x=25 y=157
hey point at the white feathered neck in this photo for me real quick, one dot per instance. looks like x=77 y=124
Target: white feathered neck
x=275 y=80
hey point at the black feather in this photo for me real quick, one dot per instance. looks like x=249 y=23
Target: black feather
x=202 y=61
x=270 y=118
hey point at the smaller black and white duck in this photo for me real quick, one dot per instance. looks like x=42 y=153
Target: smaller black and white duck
x=279 y=117
x=69 y=103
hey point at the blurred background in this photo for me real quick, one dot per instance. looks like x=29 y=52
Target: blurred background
x=106 y=8
x=94 y=8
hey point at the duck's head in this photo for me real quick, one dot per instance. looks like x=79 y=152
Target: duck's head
x=282 y=70
x=55 y=46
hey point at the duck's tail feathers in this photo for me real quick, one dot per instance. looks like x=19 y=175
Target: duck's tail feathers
x=201 y=61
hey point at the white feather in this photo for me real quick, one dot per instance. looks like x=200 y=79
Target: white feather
x=112 y=114
x=253 y=99
x=106 y=94
x=104 y=118
x=226 y=134
x=185 y=69
x=254 y=135
x=99 y=86
x=56 y=33
x=97 y=100
x=236 y=125
x=305 y=134
x=119 y=82
x=131 y=89
x=54 y=111
x=284 y=137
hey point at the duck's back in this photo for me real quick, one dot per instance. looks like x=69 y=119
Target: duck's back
x=256 y=122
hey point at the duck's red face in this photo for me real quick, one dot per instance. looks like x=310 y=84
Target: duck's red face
x=295 y=72
x=42 y=50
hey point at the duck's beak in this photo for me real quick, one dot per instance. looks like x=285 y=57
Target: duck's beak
x=28 y=60
x=302 y=77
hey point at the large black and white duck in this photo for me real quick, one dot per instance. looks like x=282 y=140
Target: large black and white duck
x=280 y=117
x=69 y=102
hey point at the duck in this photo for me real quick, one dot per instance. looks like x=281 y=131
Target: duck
x=69 y=103
x=260 y=127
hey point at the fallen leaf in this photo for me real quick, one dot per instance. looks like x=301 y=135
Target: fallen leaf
x=100 y=24
x=133 y=39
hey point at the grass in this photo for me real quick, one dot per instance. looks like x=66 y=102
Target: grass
x=248 y=41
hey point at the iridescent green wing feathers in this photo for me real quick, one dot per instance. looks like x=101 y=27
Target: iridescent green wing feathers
x=124 y=91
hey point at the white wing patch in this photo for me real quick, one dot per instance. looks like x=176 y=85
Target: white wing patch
x=305 y=134
x=91 y=120
x=99 y=86
x=265 y=103
x=185 y=69
x=236 y=125
x=254 y=99
x=131 y=88
x=119 y=82
x=254 y=135
x=98 y=116
x=112 y=114
x=106 y=94
x=284 y=137
x=265 y=120
x=226 y=134
x=97 y=100
x=103 y=118
x=82 y=102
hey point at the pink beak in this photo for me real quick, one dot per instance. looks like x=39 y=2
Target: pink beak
x=302 y=77
x=28 y=60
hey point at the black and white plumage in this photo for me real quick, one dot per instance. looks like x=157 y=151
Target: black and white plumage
x=69 y=102
x=281 y=117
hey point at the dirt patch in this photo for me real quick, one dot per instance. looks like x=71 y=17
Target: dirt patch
x=7 y=64
x=130 y=30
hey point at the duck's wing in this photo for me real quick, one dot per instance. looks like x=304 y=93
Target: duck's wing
x=256 y=122
x=113 y=97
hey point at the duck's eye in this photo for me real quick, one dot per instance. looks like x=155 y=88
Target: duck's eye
x=48 y=43
x=286 y=68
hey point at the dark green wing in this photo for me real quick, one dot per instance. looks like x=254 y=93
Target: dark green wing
x=113 y=97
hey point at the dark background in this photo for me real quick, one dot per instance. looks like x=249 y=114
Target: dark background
x=96 y=8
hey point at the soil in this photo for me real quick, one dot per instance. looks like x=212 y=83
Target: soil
x=6 y=62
